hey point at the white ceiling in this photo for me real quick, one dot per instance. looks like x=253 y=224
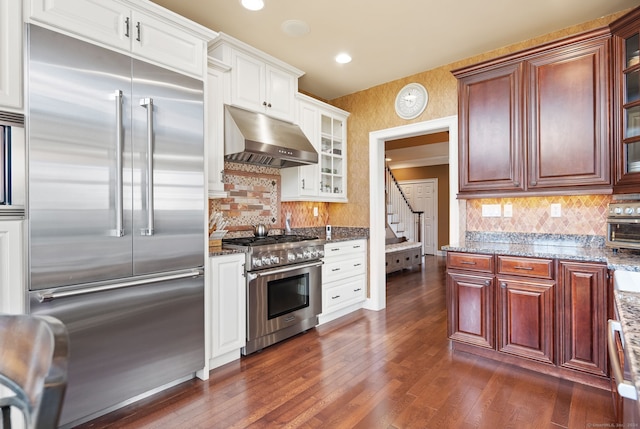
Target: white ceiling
x=387 y=39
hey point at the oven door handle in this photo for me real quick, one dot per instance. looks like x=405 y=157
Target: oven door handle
x=626 y=389
x=255 y=275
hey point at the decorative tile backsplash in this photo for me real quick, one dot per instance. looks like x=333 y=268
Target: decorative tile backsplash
x=254 y=197
x=584 y=214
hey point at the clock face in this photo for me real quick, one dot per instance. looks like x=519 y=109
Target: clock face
x=411 y=101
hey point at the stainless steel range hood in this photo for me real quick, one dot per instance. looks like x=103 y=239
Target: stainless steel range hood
x=255 y=138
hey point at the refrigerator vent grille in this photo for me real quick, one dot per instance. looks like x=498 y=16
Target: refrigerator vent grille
x=11 y=118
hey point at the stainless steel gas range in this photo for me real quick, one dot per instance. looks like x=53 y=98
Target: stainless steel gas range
x=284 y=286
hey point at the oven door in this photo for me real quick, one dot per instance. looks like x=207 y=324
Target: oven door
x=623 y=233
x=283 y=297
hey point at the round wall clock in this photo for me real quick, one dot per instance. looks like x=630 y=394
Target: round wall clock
x=411 y=101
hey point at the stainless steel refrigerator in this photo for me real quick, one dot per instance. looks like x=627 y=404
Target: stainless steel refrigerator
x=116 y=208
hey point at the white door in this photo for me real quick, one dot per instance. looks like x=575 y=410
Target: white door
x=423 y=196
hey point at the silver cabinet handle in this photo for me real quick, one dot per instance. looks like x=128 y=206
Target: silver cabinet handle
x=626 y=389
x=302 y=183
x=119 y=231
x=520 y=267
x=138 y=31
x=148 y=104
x=126 y=27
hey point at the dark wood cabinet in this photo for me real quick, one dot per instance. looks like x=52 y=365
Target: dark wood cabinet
x=539 y=313
x=471 y=309
x=536 y=122
x=471 y=298
x=490 y=105
x=583 y=315
x=525 y=318
x=626 y=102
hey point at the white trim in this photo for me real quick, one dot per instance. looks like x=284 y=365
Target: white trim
x=377 y=280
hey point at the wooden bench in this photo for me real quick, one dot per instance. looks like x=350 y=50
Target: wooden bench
x=402 y=254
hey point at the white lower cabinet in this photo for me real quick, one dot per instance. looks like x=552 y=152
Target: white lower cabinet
x=344 y=278
x=12 y=270
x=11 y=54
x=227 y=308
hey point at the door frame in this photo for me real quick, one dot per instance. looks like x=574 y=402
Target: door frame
x=377 y=276
x=423 y=218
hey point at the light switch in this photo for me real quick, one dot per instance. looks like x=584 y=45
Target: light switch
x=556 y=210
x=491 y=210
x=508 y=210
x=315 y=211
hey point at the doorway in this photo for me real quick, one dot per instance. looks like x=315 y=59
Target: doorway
x=423 y=196
x=377 y=279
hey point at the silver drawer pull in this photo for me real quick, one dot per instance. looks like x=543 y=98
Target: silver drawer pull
x=335 y=297
x=468 y=263
x=335 y=269
x=357 y=265
x=518 y=267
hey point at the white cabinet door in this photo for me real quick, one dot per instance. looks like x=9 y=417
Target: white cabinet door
x=11 y=54
x=102 y=21
x=12 y=287
x=228 y=304
x=248 y=82
x=215 y=132
x=302 y=183
x=279 y=95
x=117 y=25
x=262 y=88
x=158 y=41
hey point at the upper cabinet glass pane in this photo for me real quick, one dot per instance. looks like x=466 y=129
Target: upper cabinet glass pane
x=632 y=50
x=632 y=87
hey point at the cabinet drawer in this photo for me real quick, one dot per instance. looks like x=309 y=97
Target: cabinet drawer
x=470 y=262
x=530 y=267
x=341 y=269
x=343 y=293
x=343 y=248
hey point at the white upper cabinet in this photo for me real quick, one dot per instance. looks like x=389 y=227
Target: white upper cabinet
x=326 y=127
x=142 y=28
x=11 y=54
x=217 y=94
x=259 y=82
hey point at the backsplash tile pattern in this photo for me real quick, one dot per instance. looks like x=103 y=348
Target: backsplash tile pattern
x=302 y=214
x=583 y=214
x=254 y=197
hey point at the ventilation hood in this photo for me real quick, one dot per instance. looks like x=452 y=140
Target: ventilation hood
x=255 y=138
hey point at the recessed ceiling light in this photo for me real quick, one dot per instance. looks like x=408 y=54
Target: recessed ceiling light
x=295 y=28
x=343 y=58
x=253 y=4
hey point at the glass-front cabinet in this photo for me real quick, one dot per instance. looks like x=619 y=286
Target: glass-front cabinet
x=626 y=118
x=326 y=128
x=332 y=173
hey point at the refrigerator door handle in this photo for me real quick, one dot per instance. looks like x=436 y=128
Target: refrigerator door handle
x=148 y=104
x=46 y=296
x=119 y=230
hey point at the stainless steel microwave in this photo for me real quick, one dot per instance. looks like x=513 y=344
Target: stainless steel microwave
x=623 y=225
x=12 y=165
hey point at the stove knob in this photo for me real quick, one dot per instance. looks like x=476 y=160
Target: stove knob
x=256 y=262
x=291 y=257
x=321 y=253
x=266 y=260
x=275 y=260
x=307 y=254
x=618 y=210
x=299 y=256
x=314 y=253
x=628 y=210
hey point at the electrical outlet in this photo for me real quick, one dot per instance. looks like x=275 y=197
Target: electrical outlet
x=556 y=210
x=508 y=210
x=315 y=211
x=491 y=210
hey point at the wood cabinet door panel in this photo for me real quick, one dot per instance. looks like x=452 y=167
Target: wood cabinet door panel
x=583 y=317
x=525 y=319
x=471 y=303
x=568 y=116
x=491 y=133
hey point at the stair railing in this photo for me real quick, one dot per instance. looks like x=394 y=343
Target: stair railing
x=401 y=217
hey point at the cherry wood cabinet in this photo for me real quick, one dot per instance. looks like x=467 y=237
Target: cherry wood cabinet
x=544 y=314
x=583 y=316
x=536 y=122
x=626 y=101
x=525 y=318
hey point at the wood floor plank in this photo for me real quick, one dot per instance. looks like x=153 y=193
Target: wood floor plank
x=391 y=369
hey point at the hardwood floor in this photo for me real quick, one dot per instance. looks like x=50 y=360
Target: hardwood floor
x=388 y=369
